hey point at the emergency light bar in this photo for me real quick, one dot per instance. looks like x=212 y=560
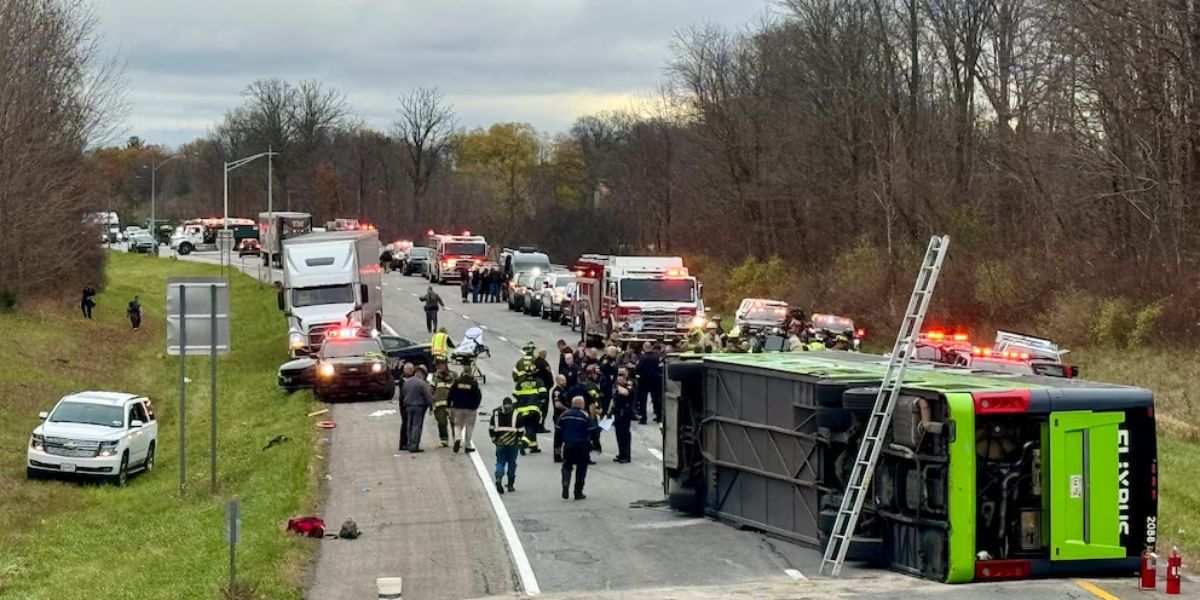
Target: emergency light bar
x=989 y=353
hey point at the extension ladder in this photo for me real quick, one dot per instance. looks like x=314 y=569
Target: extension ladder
x=859 y=484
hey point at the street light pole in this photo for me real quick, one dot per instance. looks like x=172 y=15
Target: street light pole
x=154 y=167
x=232 y=165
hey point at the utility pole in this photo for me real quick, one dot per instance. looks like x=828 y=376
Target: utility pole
x=154 y=167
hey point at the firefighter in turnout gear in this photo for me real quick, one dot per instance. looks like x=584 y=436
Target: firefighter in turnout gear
x=528 y=398
x=442 y=379
x=525 y=365
x=507 y=437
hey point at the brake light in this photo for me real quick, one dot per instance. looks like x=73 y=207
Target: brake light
x=1002 y=403
x=1003 y=569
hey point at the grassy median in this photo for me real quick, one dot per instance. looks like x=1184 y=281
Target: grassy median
x=143 y=541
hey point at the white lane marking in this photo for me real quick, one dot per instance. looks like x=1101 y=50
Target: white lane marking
x=378 y=288
x=671 y=524
x=502 y=338
x=414 y=295
x=657 y=453
x=524 y=569
x=465 y=317
x=795 y=575
x=483 y=327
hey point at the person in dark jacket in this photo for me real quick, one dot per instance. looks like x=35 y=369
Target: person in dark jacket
x=576 y=433
x=541 y=370
x=134 y=312
x=589 y=389
x=464 y=401
x=569 y=369
x=649 y=372
x=464 y=283
x=416 y=399
x=559 y=402
x=622 y=413
x=608 y=372
x=476 y=278
x=433 y=303
x=88 y=301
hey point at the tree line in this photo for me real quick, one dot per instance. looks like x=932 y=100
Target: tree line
x=809 y=154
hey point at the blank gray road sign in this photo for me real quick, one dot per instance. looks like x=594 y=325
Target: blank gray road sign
x=199 y=306
x=224 y=240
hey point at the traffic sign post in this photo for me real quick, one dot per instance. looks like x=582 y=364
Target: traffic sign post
x=233 y=533
x=225 y=246
x=197 y=324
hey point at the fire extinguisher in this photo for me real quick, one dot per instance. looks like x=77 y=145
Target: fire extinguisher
x=1174 y=562
x=1149 y=579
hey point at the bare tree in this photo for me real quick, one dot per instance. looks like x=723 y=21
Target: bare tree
x=426 y=124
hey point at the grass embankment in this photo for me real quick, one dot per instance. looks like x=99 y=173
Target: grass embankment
x=1171 y=375
x=71 y=540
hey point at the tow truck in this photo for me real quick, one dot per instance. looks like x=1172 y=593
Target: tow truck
x=636 y=298
x=201 y=234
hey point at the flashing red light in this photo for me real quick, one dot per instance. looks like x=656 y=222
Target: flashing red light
x=466 y=232
x=1003 y=569
x=1002 y=403
x=343 y=333
x=861 y=333
x=676 y=272
x=429 y=232
x=936 y=335
x=961 y=337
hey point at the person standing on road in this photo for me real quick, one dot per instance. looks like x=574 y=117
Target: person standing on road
x=433 y=303
x=622 y=413
x=416 y=398
x=507 y=437
x=495 y=281
x=442 y=380
x=558 y=401
x=528 y=397
x=541 y=370
x=464 y=284
x=465 y=398
x=569 y=368
x=649 y=372
x=88 y=301
x=440 y=344
x=134 y=312
x=476 y=284
x=576 y=432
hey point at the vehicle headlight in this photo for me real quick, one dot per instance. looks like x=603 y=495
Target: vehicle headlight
x=325 y=370
x=296 y=340
x=109 y=448
x=376 y=367
x=37 y=442
x=699 y=322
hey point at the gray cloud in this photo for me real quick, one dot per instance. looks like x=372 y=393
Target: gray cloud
x=541 y=61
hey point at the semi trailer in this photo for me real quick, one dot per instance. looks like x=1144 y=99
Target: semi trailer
x=983 y=475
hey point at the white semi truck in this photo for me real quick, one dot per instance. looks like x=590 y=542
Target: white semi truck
x=330 y=280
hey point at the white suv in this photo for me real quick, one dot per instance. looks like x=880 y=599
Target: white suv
x=105 y=434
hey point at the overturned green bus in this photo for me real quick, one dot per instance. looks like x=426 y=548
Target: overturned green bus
x=984 y=476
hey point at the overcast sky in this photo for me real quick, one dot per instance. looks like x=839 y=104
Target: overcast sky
x=540 y=61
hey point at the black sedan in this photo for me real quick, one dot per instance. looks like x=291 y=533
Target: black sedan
x=306 y=372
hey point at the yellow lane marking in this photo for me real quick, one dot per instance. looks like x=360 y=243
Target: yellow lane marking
x=1095 y=590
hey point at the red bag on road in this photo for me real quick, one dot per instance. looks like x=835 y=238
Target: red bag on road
x=313 y=527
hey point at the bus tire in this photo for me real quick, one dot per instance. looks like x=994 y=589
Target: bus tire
x=859 y=399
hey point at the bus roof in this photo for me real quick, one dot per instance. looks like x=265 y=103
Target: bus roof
x=856 y=366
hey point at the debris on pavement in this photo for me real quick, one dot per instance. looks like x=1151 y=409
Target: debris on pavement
x=349 y=530
x=318 y=412
x=383 y=412
x=326 y=424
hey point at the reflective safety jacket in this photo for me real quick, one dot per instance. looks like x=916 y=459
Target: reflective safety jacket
x=503 y=427
x=529 y=392
x=525 y=366
x=442 y=382
x=440 y=345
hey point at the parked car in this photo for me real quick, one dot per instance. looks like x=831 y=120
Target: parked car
x=94 y=434
x=532 y=304
x=249 y=247
x=554 y=294
x=141 y=242
x=516 y=288
x=417 y=261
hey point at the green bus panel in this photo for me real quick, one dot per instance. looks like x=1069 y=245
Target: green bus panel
x=1084 y=485
x=961 y=557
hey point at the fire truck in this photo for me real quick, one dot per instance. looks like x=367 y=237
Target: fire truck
x=637 y=298
x=454 y=254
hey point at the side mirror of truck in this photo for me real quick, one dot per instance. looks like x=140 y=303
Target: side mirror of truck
x=281 y=301
x=364 y=292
